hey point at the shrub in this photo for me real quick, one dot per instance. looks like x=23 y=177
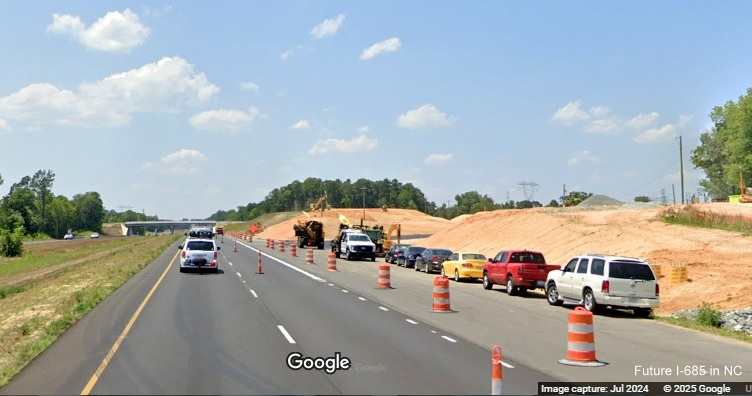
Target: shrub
x=708 y=316
x=11 y=243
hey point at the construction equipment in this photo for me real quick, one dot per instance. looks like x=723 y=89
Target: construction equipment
x=746 y=192
x=321 y=204
x=309 y=233
x=375 y=233
x=388 y=236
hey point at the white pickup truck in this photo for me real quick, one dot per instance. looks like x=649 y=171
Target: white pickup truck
x=354 y=244
x=199 y=253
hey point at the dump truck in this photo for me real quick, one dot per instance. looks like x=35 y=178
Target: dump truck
x=309 y=233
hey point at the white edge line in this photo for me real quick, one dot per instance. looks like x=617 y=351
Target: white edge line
x=254 y=293
x=361 y=299
x=383 y=309
x=312 y=276
x=449 y=339
x=286 y=334
x=411 y=321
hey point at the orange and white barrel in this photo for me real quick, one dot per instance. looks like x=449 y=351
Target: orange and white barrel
x=441 y=294
x=309 y=256
x=331 y=262
x=384 y=281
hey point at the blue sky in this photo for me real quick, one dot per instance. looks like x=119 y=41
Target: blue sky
x=181 y=109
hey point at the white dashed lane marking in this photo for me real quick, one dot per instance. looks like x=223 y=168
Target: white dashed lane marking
x=345 y=291
x=361 y=299
x=449 y=339
x=239 y=274
x=254 y=293
x=286 y=334
x=383 y=309
x=411 y=321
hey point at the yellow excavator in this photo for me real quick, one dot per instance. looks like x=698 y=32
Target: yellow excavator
x=746 y=193
x=388 y=238
x=321 y=204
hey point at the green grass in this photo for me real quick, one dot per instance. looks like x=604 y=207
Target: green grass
x=30 y=260
x=693 y=217
x=11 y=290
x=104 y=273
x=689 y=324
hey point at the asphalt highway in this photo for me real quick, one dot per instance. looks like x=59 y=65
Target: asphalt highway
x=166 y=332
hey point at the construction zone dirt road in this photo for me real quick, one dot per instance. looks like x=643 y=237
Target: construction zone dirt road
x=718 y=268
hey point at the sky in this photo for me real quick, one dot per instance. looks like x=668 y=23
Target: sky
x=181 y=109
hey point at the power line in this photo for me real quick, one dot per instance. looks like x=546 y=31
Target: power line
x=528 y=189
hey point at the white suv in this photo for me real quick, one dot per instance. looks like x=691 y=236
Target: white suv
x=595 y=280
x=199 y=253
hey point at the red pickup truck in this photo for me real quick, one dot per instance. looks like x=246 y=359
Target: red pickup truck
x=519 y=270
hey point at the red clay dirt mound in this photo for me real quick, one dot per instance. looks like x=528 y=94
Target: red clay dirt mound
x=718 y=265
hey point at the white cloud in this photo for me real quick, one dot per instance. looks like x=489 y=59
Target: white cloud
x=166 y=85
x=225 y=119
x=583 y=156
x=114 y=32
x=181 y=162
x=328 y=27
x=357 y=144
x=570 y=113
x=437 y=159
x=287 y=54
x=390 y=45
x=668 y=130
x=602 y=126
x=249 y=86
x=599 y=111
x=363 y=129
x=154 y=12
x=302 y=124
x=4 y=125
x=424 y=117
x=643 y=120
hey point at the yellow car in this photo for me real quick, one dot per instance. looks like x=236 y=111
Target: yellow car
x=463 y=265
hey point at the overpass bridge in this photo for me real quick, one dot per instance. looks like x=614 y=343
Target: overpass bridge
x=129 y=225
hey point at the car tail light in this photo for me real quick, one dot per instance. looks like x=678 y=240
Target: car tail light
x=605 y=286
x=183 y=253
x=657 y=290
x=213 y=263
x=468 y=265
x=435 y=259
x=215 y=255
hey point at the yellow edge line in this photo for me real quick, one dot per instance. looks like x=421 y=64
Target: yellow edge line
x=95 y=377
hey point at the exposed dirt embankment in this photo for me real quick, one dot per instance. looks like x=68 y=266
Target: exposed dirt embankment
x=718 y=264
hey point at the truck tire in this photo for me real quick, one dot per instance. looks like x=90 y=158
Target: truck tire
x=588 y=301
x=487 y=284
x=512 y=290
x=373 y=258
x=347 y=254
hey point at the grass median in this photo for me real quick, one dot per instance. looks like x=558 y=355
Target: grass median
x=56 y=283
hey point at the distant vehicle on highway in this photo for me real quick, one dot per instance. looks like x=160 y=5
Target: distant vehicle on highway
x=394 y=252
x=94 y=235
x=68 y=236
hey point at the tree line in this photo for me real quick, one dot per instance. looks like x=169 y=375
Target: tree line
x=725 y=151
x=298 y=196
x=30 y=209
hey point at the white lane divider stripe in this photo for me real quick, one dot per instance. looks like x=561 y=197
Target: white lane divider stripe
x=254 y=293
x=433 y=331
x=384 y=309
x=345 y=291
x=331 y=284
x=239 y=276
x=507 y=365
x=361 y=299
x=286 y=334
x=411 y=321
x=449 y=339
x=312 y=276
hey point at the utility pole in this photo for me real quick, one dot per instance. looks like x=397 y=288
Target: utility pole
x=364 y=205
x=681 y=165
x=564 y=195
x=673 y=191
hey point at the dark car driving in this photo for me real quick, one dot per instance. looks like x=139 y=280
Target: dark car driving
x=407 y=258
x=394 y=252
x=430 y=260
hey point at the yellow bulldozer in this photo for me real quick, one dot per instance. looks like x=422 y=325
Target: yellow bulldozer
x=388 y=237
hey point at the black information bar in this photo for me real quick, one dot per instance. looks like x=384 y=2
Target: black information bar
x=645 y=388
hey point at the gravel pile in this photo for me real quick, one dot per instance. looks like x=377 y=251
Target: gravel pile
x=735 y=319
x=641 y=205
x=599 y=200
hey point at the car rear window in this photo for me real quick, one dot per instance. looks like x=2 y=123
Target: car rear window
x=527 y=257
x=473 y=256
x=442 y=252
x=200 y=245
x=627 y=270
x=414 y=249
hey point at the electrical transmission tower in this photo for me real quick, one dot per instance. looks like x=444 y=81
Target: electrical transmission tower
x=528 y=189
